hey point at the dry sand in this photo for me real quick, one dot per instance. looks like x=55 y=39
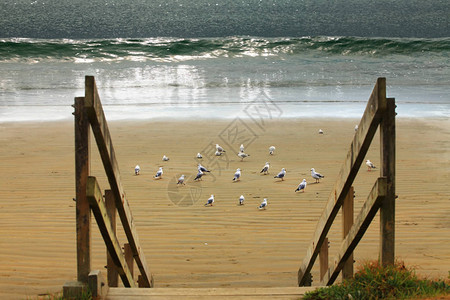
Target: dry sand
x=189 y=245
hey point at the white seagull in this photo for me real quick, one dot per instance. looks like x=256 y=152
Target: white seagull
x=281 y=174
x=181 y=180
x=356 y=127
x=219 y=148
x=159 y=173
x=199 y=175
x=271 y=150
x=202 y=168
x=210 y=201
x=263 y=204
x=316 y=175
x=237 y=175
x=199 y=155
x=165 y=158
x=218 y=153
x=241 y=200
x=241 y=148
x=265 y=169
x=320 y=131
x=370 y=165
x=243 y=155
x=301 y=186
x=137 y=169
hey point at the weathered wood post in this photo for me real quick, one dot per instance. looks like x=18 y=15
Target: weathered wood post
x=347 y=223
x=112 y=274
x=83 y=211
x=323 y=259
x=387 y=210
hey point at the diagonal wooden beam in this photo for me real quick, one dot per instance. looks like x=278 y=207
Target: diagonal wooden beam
x=98 y=206
x=358 y=150
x=365 y=217
x=103 y=138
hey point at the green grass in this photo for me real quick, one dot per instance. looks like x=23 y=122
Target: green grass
x=373 y=281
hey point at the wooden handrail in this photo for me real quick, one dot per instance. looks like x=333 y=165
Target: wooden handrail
x=379 y=112
x=358 y=150
x=100 y=129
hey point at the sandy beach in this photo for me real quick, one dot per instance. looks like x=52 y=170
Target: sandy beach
x=189 y=245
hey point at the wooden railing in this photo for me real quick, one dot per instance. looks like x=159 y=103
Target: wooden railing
x=379 y=112
x=89 y=114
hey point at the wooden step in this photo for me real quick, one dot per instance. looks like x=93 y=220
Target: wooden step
x=208 y=293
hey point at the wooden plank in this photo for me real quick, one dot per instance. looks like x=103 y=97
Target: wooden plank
x=83 y=211
x=103 y=138
x=323 y=259
x=365 y=217
x=387 y=211
x=112 y=274
x=123 y=293
x=95 y=198
x=347 y=223
x=375 y=108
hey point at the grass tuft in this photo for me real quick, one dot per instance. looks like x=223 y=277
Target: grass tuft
x=373 y=281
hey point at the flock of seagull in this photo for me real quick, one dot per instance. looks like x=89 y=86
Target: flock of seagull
x=237 y=175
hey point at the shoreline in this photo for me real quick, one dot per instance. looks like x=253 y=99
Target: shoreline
x=189 y=245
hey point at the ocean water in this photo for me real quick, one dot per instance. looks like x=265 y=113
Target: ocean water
x=203 y=59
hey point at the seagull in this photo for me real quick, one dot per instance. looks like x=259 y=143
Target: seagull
x=219 y=148
x=271 y=150
x=370 y=165
x=181 y=180
x=242 y=155
x=281 y=174
x=320 y=131
x=356 y=127
x=241 y=148
x=199 y=155
x=210 y=201
x=265 y=169
x=199 y=175
x=165 y=158
x=202 y=168
x=241 y=200
x=316 y=175
x=159 y=173
x=263 y=204
x=301 y=186
x=218 y=153
x=237 y=175
x=137 y=169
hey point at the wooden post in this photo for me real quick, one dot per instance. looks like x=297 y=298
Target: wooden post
x=347 y=223
x=323 y=259
x=97 y=285
x=83 y=212
x=98 y=206
x=128 y=253
x=112 y=274
x=387 y=210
